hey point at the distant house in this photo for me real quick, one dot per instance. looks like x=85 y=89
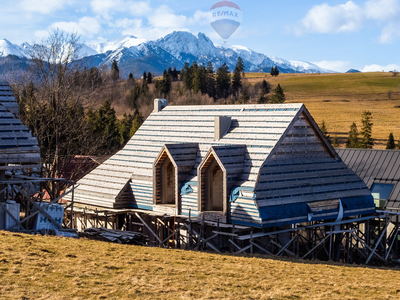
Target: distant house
x=255 y=165
x=380 y=170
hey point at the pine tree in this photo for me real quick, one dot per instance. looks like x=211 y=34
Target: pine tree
x=240 y=66
x=104 y=123
x=335 y=142
x=130 y=77
x=174 y=74
x=278 y=96
x=366 y=131
x=125 y=126
x=390 y=143
x=164 y=85
x=137 y=122
x=244 y=95
x=272 y=71
x=149 y=78
x=144 y=76
x=186 y=76
x=325 y=131
x=353 y=141
x=262 y=98
x=135 y=93
x=276 y=71
x=114 y=70
x=223 y=81
x=236 y=81
x=265 y=87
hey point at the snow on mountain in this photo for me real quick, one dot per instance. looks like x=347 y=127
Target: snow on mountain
x=126 y=41
x=175 y=49
x=7 y=48
x=85 y=50
x=181 y=43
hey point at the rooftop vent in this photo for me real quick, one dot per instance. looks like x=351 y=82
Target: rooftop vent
x=221 y=126
x=159 y=104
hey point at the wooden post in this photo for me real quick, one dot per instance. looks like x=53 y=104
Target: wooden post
x=251 y=242
x=72 y=207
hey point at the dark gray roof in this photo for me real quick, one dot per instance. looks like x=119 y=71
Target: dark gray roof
x=376 y=166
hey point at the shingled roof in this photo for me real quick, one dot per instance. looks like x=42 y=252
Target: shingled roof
x=282 y=160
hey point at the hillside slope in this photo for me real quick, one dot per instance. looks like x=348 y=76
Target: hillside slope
x=340 y=99
x=60 y=268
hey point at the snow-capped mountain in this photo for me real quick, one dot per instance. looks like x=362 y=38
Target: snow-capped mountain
x=174 y=50
x=126 y=41
x=7 y=48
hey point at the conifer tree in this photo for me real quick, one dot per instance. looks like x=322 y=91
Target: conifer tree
x=114 y=70
x=325 y=131
x=137 y=122
x=244 y=95
x=125 y=126
x=366 y=131
x=390 y=143
x=149 y=78
x=236 y=81
x=262 y=99
x=276 y=71
x=265 y=87
x=174 y=74
x=186 y=76
x=144 y=76
x=352 y=141
x=278 y=96
x=240 y=66
x=335 y=142
x=223 y=81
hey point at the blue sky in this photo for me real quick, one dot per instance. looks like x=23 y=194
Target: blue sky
x=338 y=35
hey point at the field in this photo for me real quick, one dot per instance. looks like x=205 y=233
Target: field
x=36 y=267
x=340 y=99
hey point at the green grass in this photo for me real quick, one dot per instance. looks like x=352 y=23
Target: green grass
x=36 y=267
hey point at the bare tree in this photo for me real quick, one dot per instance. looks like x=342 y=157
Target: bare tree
x=52 y=104
x=395 y=73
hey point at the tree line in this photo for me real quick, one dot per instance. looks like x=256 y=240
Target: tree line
x=354 y=140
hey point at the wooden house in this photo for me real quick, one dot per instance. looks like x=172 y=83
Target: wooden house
x=255 y=165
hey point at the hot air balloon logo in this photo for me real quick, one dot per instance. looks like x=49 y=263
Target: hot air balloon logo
x=226 y=17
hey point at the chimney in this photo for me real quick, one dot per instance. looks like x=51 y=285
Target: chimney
x=221 y=126
x=159 y=104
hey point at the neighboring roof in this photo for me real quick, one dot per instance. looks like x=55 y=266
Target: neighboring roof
x=376 y=166
x=18 y=148
x=259 y=127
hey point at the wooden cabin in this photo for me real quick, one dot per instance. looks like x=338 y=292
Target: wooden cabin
x=255 y=165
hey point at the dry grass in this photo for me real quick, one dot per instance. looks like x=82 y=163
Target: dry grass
x=340 y=99
x=36 y=267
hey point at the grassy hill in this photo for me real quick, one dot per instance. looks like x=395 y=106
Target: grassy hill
x=340 y=99
x=37 y=267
